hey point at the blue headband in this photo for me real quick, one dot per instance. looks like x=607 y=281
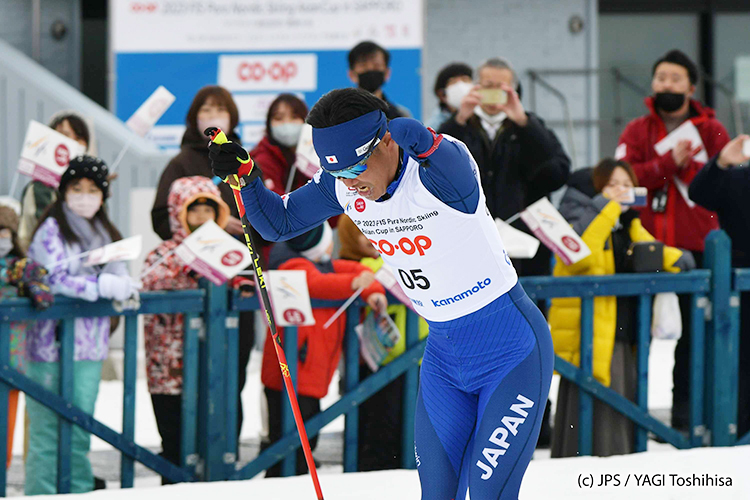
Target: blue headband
x=346 y=144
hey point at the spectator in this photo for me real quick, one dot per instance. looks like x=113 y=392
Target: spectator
x=722 y=187
x=451 y=85
x=608 y=228
x=275 y=152
x=319 y=349
x=37 y=196
x=192 y=202
x=670 y=215
x=519 y=158
x=212 y=106
x=369 y=69
x=75 y=223
x=19 y=277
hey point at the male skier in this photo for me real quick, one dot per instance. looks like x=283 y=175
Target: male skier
x=417 y=196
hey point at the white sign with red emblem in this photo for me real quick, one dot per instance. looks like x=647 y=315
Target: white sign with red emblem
x=46 y=154
x=269 y=72
x=127 y=249
x=213 y=253
x=290 y=298
x=555 y=232
x=146 y=116
x=307 y=160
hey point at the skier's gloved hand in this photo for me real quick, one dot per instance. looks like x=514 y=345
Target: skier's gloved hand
x=229 y=158
x=115 y=287
x=415 y=139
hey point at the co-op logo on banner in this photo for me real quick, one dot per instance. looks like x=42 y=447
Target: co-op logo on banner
x=269 y=72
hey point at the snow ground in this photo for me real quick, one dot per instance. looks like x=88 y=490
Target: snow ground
x=545 y=479
x=543 y=474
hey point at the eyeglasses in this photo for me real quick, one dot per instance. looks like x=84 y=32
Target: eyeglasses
x=358 y=168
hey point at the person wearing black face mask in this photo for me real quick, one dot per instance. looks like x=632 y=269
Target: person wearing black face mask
x=369 y=70
x=670 y=215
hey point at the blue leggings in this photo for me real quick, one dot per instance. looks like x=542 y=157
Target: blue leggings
x=483 y=387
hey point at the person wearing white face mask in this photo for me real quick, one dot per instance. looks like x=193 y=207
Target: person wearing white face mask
x=75 y=223
x=519 y=158
x=453 y=82
x=212 y=106
x=276 y=151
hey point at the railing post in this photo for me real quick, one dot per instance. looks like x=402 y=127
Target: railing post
x=127 y=464
x=351 y=380
x=213 y=393
x=585 y=400
x=644 y=337
x=289 y=463
x=67 y=392
x=411 y=384
x=4 y=390
x=724 y=339
x=697 y=368
x=231 y=350
x=189 y=421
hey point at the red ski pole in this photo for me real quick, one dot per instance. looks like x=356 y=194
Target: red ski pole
x=218 y=137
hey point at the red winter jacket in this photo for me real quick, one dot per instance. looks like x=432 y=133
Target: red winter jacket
x=275 y=165
x=323 y=346
x=679 y=226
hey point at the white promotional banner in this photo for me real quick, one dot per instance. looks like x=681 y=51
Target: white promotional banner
x=46 y=153
x=127 y=249
x=149 y=26
x=307 y=161
x=518 y=244
x=146 y=116
x=290 y=297
x=268 y=72
x=213 y=253
x=554 y=231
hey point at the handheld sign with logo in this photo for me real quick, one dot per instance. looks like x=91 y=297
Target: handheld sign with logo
x=127 y=249
x=389 y=282
x=150 y=111
x=554 y=231
x=686 y=131
x=307 y=160
x=46 y=154
x=291 y=298
x=212 y=252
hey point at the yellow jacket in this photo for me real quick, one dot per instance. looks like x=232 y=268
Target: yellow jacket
x=398 y=313
x=565 y=313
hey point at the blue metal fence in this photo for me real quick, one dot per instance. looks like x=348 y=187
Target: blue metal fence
x=209 y=403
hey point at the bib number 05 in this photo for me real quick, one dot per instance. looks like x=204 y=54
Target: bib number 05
x=413 y=279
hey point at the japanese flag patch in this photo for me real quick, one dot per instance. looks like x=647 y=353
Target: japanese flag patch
x=332 y=159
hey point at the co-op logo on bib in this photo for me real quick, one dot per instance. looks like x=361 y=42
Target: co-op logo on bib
x=359 y=205
x=481 y=285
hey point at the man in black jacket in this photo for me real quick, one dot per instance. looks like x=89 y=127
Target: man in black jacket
x=722 y=186
x=519 y=158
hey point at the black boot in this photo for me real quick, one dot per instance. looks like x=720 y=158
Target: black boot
x=99 y=483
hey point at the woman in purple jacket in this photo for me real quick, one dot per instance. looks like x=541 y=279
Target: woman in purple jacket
x=75 y=223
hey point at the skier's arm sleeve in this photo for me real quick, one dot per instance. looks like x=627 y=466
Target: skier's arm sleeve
x=446 y=166
x=279 y=218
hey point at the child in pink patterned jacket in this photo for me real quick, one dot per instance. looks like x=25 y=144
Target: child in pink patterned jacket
x=191 y=202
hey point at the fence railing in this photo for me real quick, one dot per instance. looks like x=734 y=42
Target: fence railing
x=209 y=402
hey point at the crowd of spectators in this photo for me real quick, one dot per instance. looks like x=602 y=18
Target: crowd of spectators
x=520 y=160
